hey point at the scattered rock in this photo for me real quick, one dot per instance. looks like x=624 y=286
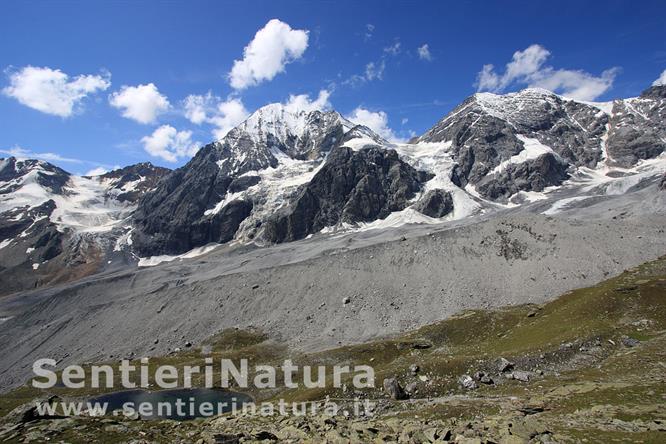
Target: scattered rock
x=393 y=389
x=504 y=365
x=520 y=375
x=28 y=412
x=411 y=388
x=531 y=410
x=264 y=435
x=466 y=381
x=485 y=379
x=630 y=342
x=224 y=438
x=346 y=300
x=414 y=369
x=627 y=289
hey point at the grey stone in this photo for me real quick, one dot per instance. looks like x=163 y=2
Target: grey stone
x=504 y=365
x=466 y=381
x=393 y=389
x=630 y=342
x=522 y=376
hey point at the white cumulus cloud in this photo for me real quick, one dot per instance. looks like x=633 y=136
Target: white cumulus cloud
x=170 y=144
x=196 y=107
x=142 y=103
x=51 y=91
x=224 y=115
x=229 y=114
x=528 y=67
x=273 y=47
x=376 y=121
x=661 y=80
x=424 y=52
x=302 y=102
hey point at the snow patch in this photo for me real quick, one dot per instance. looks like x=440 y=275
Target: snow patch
x=86 y=208
x=533 y=150
x=155 y=260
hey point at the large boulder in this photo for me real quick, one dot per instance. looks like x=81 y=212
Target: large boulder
x=435 y=203
x=393 y=389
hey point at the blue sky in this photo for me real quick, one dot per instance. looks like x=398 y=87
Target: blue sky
x=71 y=108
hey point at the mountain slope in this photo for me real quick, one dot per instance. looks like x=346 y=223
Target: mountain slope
x=55 y=226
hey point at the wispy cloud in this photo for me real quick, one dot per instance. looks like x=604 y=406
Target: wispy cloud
x=374 y=70
x=393 y=49
x=369 y=30
x=22 y=153
x=424 y=52
x=17 y=151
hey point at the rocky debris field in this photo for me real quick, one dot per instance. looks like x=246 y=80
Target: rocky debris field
x=586 y=367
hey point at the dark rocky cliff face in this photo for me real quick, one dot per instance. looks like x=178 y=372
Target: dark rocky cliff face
x=166 y=219
x=435 y=203
x=532 y=175
x=483 y=130
x=141 y=178
x=352 y=186
x=638 y=128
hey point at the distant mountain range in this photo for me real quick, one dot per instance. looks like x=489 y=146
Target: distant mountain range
x=286 y=174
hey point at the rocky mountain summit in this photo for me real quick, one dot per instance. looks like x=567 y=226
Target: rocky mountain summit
x=244 y=173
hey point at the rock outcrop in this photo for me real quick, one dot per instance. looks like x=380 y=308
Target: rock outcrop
x=531 y=175
x=435 y=203
x=352 y=186
x=637 y=128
